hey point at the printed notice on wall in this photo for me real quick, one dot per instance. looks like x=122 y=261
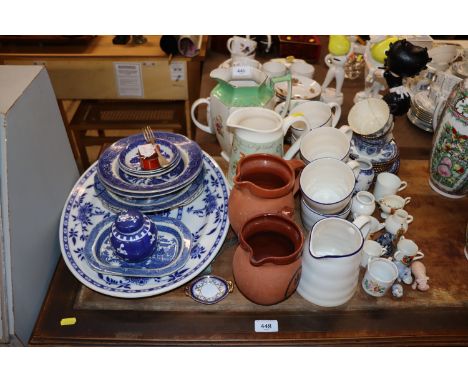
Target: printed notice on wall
x=128 y=78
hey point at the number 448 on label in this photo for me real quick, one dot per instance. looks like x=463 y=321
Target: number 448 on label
x=266 y=326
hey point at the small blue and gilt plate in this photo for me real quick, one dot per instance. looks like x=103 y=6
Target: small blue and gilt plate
x=209 y=289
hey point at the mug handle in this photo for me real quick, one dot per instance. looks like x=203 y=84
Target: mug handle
x=407 y=200
x=421 y=255
x=384 y=251
x=346 y=130
x=363 y=223
x=336 y=113
x=403 y=185
x=207 y=129
x=409 y=219
x=296 y=165
x=229 y=44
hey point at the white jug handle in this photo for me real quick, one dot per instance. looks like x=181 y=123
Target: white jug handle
x=346 y=130
x=403 y=185
x=207 y=129
x=229 y=44
x=409 y=219
x=336 y=113
x=299 y=117
x=296 y=145
x=364 y=224
x=407 y=200
x=355 y=166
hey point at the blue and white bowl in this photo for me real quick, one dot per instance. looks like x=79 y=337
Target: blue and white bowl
x=133 y=236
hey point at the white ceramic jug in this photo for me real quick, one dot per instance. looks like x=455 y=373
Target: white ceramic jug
x=258 y=130
x=237 y=87
x=331 y=260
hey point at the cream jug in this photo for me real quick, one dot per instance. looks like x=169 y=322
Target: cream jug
x=331 y=260
x=258 y=130
x=238 y=86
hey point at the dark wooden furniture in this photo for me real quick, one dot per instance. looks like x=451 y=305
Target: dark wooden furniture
x=83 y=72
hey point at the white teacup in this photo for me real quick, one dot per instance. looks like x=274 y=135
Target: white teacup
x=274 y=69
x=380 y=275
x=390 y=203
x=317 y=114
x=241 y=46
x=302 y=68
x=369 y=117
x=407 y=252
x=371 y=250
x=324 y=142
x=327 y=184
x=388 y=184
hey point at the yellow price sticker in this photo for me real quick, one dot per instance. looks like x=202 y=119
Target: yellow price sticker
x=68 y=321
x=297 y=115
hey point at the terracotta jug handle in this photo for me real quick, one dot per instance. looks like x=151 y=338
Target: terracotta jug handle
x=296 y=165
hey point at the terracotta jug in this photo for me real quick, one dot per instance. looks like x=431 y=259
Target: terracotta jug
x=267 y=262
x=263 y=184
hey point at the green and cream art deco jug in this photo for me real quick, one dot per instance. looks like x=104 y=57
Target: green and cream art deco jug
x=237 y=87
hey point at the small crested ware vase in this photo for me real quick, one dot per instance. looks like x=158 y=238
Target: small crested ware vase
x=264 y=184
x=133 y=236
x=363 y=203
x=267 y=262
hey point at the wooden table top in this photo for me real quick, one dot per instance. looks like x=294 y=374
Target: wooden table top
x=97 y=47
x=438 y=316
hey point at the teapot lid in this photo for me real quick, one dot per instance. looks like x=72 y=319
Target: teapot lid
x=129 y=221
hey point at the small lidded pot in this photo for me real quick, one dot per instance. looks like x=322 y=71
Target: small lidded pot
x=133 y=236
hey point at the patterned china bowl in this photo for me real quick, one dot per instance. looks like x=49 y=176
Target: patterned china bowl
x=133 y=236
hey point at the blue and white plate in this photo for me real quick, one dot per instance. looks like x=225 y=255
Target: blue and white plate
x=209 y=289
x=116 y=180
x=172 y=251
x=149 y=205
x=206 y=218
x=386 y=155
x=129 y=158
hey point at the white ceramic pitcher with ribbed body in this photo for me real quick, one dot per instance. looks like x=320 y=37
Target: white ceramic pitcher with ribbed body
x=331 y=260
